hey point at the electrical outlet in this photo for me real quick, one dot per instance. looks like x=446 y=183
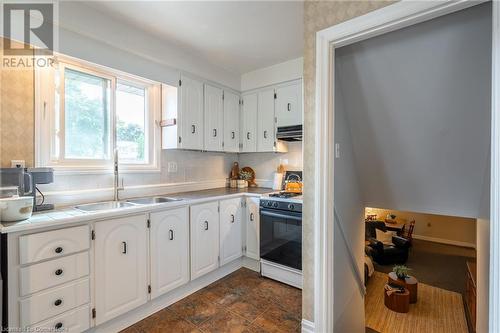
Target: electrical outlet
x=172 y=167
x=18 y=164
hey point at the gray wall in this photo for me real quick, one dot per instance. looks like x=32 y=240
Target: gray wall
x=418 y=102
x=350 y=208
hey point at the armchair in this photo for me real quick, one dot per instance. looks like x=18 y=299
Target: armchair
x=383 y=254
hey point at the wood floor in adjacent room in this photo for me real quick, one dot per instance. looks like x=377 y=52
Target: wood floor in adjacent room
x=436 y=311
x=241 y=302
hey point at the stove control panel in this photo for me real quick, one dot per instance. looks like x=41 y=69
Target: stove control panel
x=281 y=205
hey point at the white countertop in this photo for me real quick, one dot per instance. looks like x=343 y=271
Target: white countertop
x=68 y=215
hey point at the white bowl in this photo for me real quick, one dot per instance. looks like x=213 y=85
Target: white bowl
x=15 y=208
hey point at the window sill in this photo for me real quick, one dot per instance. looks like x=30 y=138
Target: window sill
x=67 y=170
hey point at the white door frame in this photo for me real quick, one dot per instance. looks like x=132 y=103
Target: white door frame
x=390 y=18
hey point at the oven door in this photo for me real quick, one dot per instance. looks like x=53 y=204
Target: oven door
x=281 y=237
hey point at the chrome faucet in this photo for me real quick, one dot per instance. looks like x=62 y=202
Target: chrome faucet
x=116 y=183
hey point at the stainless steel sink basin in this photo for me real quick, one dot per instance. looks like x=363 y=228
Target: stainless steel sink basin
x=152 y=200
x=104 y=206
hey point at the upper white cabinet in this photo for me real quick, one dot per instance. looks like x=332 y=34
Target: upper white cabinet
x=289 y=104
x=191 y=114
x=182 y=115
x=249 y=123
x=169 y=248
x=121 y=282
x=230 y=230
x=231 y=122
x=252 y=228
x=266 y=138
x=214 y=118
x=204 y=238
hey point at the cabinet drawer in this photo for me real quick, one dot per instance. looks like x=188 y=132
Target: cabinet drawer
x=53 y=244
x=53 y=273
x=53 y=302
x=74 y=321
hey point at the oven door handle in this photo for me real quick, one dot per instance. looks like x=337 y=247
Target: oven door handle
x=273 y=214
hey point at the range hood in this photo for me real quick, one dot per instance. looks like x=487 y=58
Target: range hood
x=289 y=133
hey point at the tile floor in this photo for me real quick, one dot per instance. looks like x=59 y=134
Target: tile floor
x=241 y=302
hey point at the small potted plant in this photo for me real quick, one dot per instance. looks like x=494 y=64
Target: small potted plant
x=244 y=177
x=401 y=271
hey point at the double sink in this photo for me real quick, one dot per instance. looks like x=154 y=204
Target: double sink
x=107 y=205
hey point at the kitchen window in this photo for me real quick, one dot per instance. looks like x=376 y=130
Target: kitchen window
x=86 y=111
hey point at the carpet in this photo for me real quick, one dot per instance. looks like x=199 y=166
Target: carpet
x=436 y=311
x=438 y=265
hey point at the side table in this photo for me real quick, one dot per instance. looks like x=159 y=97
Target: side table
x=398 y=302
x=410 y=283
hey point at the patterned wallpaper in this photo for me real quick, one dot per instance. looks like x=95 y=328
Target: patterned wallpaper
x=17 y=120
x=318 y=15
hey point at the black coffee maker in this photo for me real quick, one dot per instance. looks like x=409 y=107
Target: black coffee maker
x=27 y=181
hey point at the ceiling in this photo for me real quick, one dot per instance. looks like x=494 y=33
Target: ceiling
x=239 y=36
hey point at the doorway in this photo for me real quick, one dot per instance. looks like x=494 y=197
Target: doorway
x=327 y=169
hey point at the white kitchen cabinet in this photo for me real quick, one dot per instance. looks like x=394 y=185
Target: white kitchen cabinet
x=231 y=122
x=230 y=230
x=191 y=113
x=204 y=238
x=252 y=228
x=266 y=139
x=289 y=104
x=121 y=248
x=169 y=248
x=214 y=118
x=249 y=123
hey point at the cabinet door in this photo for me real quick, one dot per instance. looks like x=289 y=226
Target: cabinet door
x=289 y=105
x=266 y=124
x=214 y=120
x=252 y=228
x=249 y=123
x=191 y=114
x=230 y=230
x=204 y=238
x=231 y=122
x=169 y=235
x=120 y=266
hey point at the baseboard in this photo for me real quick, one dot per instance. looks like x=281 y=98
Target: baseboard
x=444 y=241
x=307 y=326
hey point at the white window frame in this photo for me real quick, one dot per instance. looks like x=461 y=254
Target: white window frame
x=45 y=119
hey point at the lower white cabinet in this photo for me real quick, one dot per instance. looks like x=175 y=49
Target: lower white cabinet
x=252 y=228
x=169 y=247
x=74 y=321
x=230 y=230
x=121 y=252
x=204 y=238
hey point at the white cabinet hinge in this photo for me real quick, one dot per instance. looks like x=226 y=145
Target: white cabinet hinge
x=148 y=223
x=180 y=83
x=92 y=234
x=149 y=289
x=275 y=96
x=93 y=313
